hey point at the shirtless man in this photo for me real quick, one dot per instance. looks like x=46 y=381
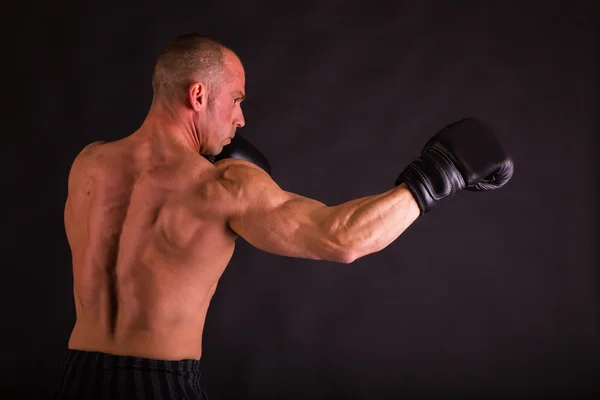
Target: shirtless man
x=152 y=221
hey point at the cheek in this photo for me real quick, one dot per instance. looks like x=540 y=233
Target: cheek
x=225 y=112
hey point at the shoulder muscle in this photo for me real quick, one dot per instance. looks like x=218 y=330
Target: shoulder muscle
x=249 y=186
x=82 y=163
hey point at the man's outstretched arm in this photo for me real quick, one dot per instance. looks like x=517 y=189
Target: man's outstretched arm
x=288 y=224
x=464 y=155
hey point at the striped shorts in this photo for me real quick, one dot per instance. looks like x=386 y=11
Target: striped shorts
x=99 y=376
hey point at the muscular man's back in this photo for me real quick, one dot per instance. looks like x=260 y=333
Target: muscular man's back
x=148 y=232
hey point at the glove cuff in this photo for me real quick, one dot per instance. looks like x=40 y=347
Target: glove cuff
x=431 y=178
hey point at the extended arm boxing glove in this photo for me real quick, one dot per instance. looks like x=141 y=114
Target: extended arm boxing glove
x=242 y=149
x=463 y=155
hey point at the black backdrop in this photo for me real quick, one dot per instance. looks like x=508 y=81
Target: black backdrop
x=492 y=294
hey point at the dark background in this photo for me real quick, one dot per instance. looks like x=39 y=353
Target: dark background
x=492 y=294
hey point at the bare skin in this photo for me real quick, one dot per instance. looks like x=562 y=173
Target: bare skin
x=152 y=225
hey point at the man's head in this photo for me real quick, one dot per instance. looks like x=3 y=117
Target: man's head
x=207 y=80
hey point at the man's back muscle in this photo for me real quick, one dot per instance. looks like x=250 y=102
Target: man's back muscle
x=150 y=241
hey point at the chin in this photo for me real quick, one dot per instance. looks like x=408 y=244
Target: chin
x=217 y=151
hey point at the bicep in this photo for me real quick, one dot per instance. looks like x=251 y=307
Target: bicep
x=284 y=223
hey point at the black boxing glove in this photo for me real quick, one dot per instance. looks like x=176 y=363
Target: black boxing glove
x=242 y=149
x=463 y=155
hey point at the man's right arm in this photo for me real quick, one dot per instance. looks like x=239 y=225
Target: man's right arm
x=464 y=155
x=291 y=225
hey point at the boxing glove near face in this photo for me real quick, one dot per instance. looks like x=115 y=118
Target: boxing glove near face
x=463 y=155
x=242 y=149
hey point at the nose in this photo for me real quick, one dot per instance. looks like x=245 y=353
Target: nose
x=240 y=120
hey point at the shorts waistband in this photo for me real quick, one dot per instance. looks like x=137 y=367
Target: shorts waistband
x=113 y=361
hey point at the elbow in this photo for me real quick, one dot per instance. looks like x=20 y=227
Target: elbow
x=347 y=257
x=347 y=249
x=340 y=246
x=344 y=253
x=340 y=256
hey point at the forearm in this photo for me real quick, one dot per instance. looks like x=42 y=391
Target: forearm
x=369 y=224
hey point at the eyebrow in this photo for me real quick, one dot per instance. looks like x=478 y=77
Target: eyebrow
x=240 y=95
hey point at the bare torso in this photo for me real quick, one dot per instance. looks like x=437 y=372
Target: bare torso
x=150 y=240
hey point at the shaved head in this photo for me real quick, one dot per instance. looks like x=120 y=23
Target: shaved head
x=187 y=59
x=198 y=87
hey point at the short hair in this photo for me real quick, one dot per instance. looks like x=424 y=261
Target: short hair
x=188 y=58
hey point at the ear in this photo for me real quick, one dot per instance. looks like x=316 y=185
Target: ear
x=197 y=95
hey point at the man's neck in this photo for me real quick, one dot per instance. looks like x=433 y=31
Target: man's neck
x=171 y=125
